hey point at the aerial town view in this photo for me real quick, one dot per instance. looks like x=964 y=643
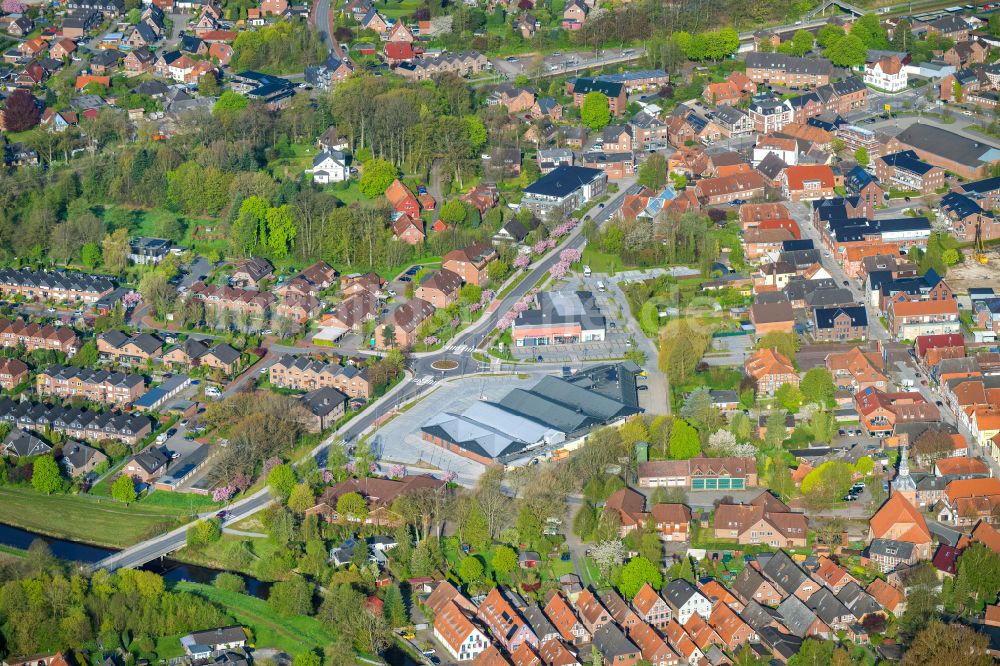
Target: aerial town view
x=499 y=333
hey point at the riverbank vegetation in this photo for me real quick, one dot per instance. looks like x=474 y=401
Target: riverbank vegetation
x=98 y=521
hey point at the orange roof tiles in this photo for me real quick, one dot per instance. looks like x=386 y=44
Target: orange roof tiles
x=645 y=599
x=798 y=176
x=562 y=617
x=988 y=487
x=491 y=656
x=960 y=465
x=452 y=625
x=525 y=655
x=715 y=591
x=832 y=574
x=888 y=596
x=84 y=80
x=764 y=362
x=922 y=308
x=555 y=653
x=898 y=519
x=987 y=535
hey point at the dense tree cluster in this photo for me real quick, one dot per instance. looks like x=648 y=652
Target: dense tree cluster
x=48 y=610
x=280 y=48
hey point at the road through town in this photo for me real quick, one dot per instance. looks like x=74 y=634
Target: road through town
x=420 y=365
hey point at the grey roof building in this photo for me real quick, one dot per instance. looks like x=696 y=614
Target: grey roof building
x=785 y=573
x=23 y=444
x=525 y=419
x=81 y=423
x=612 y=643
x=796 y=616
x=79 y=458
x=540 y=625
x=858 y=601
x=789 y=63
x=890 y=548
x=928 y=139
x=829 y=608
x=150 y=459
x=758 y=616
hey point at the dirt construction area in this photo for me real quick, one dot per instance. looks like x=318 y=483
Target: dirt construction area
x=973 y=274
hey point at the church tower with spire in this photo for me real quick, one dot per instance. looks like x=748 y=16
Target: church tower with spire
x=904 y=484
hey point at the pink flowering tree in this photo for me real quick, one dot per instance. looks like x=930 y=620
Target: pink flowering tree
x=350 y=468
x=522 y=261
x=455 y=322
x=559 y=270
x=506 y=321
x=241 y=482
x=570 y=255
x=450 y=477
x=475 y=307
x=14 y=7
x=223 y=493
x=270 y=464
x=519 y=307
x=327 y=476
x=397 y=471
x=538 y=247
x=430 y=340
x=131 y=299
x=486 y=297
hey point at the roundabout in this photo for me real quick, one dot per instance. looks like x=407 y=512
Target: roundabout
x=444 y=365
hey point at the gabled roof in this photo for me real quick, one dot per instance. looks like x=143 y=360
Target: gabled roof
x=679 y=592
x=796 y=616
x=885 y=594
x=785 y=573
x=896 y=511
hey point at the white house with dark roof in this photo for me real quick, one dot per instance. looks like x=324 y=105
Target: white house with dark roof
x=685 y=600
x=329 y=166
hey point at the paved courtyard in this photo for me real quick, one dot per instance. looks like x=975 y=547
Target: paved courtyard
x=729 y=350
x=399 y=440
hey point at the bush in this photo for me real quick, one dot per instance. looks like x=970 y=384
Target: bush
x=230 y=582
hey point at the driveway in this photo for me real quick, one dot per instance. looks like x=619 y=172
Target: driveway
x=656 y=398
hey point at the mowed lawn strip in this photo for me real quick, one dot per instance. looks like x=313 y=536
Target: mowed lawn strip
x=294 y=634
x=99 y=522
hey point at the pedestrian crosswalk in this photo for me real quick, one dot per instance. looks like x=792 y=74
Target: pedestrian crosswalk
x=424 y=381
x=458 y=349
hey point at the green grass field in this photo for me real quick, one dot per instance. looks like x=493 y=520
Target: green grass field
x=601 y=262
x=187 y=502
x=397 y=9
x=293 y=635
x=97 y=521
x=290 y=168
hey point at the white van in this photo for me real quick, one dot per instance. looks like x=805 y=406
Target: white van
x=586 y=271
x=600 y=286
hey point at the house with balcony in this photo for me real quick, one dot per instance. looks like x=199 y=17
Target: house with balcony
x=907 y=319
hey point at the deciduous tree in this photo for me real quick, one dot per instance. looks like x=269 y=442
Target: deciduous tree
x=376 y=176
x=21 y=113
x=684 y=442
x=123 y=489
x=636 y=573
x=817 y=386
x=595 y=111
x=941 y=643
x=282 y=481
x=45 y=475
